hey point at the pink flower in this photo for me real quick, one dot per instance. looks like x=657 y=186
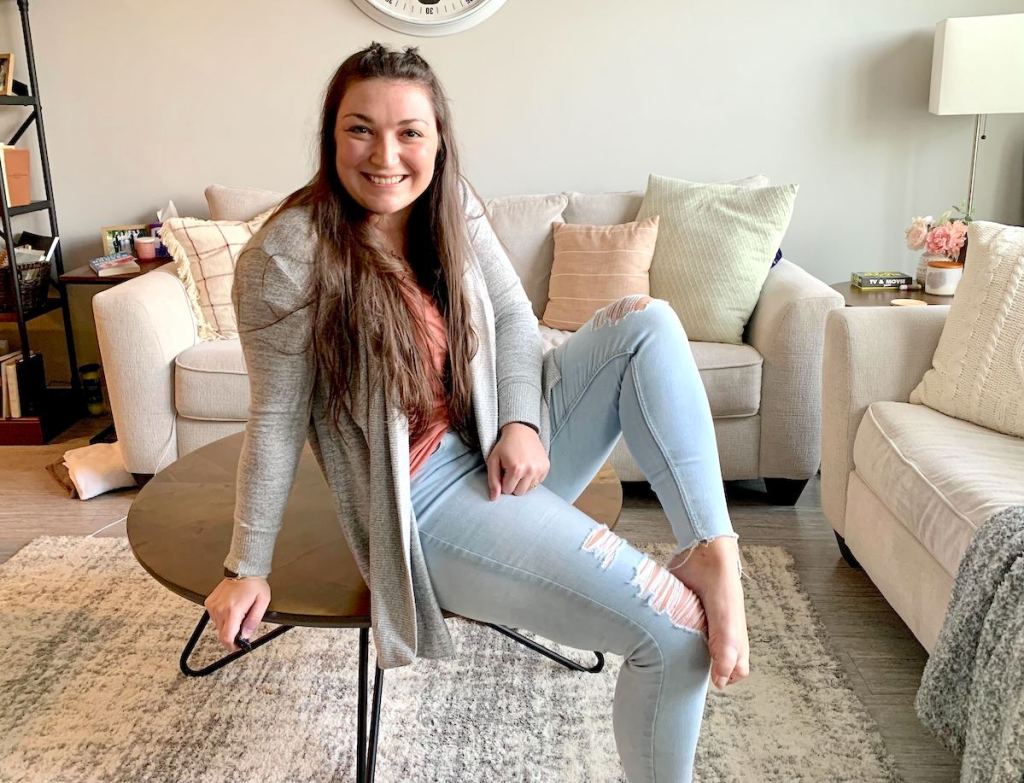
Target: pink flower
x=938 y=238
x=957 y=238
x=916 y=231
x=916 y=235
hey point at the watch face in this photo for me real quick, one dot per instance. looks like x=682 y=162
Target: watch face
x=429 y=17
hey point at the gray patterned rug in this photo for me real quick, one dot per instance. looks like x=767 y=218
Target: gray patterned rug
x=91 y=692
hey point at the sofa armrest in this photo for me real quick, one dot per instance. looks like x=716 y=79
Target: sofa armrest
x=871 y=354
x=788 y=329
x=142 y=325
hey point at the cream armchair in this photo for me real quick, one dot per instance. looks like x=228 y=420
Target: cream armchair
x=904 y=486
x=171 y=393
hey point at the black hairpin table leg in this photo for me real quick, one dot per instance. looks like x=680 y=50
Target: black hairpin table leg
x=511 y=634
x=221 y=662
x=366 y=750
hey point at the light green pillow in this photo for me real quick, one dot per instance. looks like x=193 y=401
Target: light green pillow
x=715 y=247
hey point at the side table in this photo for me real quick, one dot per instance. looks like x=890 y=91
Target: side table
x=881 y=297
x=84 y=275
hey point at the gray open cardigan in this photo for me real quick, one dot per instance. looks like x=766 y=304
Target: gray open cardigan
x=365 y=460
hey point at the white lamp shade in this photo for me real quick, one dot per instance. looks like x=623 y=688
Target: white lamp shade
x=978 y=65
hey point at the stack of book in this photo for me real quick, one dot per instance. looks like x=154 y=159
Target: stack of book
x=892 y=280
x=122 y=263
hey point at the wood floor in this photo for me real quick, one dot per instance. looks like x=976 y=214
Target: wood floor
x=882 y=660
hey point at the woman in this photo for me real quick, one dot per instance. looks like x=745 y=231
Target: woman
x=380 y=318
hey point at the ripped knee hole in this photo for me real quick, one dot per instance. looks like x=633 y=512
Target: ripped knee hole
x=656 y=587
x=619 y=309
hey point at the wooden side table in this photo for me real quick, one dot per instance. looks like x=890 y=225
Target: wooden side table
x=83 y=275
x=880 y=297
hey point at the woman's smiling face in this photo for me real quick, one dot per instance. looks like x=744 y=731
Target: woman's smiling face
x=386 y=137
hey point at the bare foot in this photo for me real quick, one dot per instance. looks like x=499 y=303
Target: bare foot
x=711 y=571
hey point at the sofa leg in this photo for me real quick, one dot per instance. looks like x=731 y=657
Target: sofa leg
x=784 y=492
x=844 y=550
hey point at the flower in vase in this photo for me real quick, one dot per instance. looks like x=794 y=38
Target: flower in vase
x=938 y=238
x=917 y=232
x=957 y=238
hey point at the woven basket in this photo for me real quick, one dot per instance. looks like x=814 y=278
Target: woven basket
x=35 y=285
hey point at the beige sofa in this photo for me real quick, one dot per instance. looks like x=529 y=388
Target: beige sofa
x=171 y=393
x=904 y=487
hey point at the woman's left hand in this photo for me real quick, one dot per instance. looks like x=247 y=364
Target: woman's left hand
x=517 y=463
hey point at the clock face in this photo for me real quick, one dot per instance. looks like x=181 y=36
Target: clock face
x=429 y=17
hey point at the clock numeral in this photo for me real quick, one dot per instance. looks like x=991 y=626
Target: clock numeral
x=428 y=10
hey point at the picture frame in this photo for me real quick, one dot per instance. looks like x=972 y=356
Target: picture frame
x=117 y=239
x=6 y=73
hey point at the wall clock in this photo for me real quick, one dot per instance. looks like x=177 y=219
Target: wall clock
x=429 y=17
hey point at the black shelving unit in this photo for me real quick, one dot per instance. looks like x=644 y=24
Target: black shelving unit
x=51 y=409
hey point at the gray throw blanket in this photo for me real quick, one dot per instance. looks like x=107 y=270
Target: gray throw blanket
x=972 y=691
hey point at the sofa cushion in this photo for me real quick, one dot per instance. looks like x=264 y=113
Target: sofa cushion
x=941 y=477
x=232 y=203
x=211 y=382
x=731 y=373
x=603 y=209
x=979 y=363
x=715 y=248
x=523 y=224
x=595 y=266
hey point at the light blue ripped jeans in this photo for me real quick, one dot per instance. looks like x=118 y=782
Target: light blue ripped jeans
x=537 y=563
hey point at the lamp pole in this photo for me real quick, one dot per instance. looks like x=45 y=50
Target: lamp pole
x=974 y=161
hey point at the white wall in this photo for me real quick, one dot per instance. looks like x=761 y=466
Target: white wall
x=145 y=102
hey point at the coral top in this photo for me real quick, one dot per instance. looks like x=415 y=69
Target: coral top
x=424 y=309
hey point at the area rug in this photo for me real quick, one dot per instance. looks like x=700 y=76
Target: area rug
x=91 y=691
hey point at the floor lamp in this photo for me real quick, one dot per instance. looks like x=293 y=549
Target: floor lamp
x=978 y=68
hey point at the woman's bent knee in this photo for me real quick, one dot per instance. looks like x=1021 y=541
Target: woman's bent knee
x=654 y=314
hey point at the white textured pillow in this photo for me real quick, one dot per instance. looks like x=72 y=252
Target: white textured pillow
x=978 y=369
x=523 y=224
x=715 y=247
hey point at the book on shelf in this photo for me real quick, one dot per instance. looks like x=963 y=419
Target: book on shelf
x=121 y=263
x=14 y=168
x=5 y=361
x=880 y=279
x=11 y=376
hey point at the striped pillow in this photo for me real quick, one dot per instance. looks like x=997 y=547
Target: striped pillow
x=596 y=265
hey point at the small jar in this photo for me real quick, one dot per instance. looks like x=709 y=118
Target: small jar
x=145 y=248
x=943 y=277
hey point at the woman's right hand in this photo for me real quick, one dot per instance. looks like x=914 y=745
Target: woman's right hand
x=237 y=603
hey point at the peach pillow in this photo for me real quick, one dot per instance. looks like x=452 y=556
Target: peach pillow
x=596 y=265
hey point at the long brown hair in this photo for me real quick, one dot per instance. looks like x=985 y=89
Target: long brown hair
x=356 y=296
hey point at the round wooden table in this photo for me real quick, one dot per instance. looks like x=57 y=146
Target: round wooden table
x=180 y=524
x=179 y=529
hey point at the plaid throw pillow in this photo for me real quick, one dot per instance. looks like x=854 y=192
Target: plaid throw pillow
x=204 y=252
